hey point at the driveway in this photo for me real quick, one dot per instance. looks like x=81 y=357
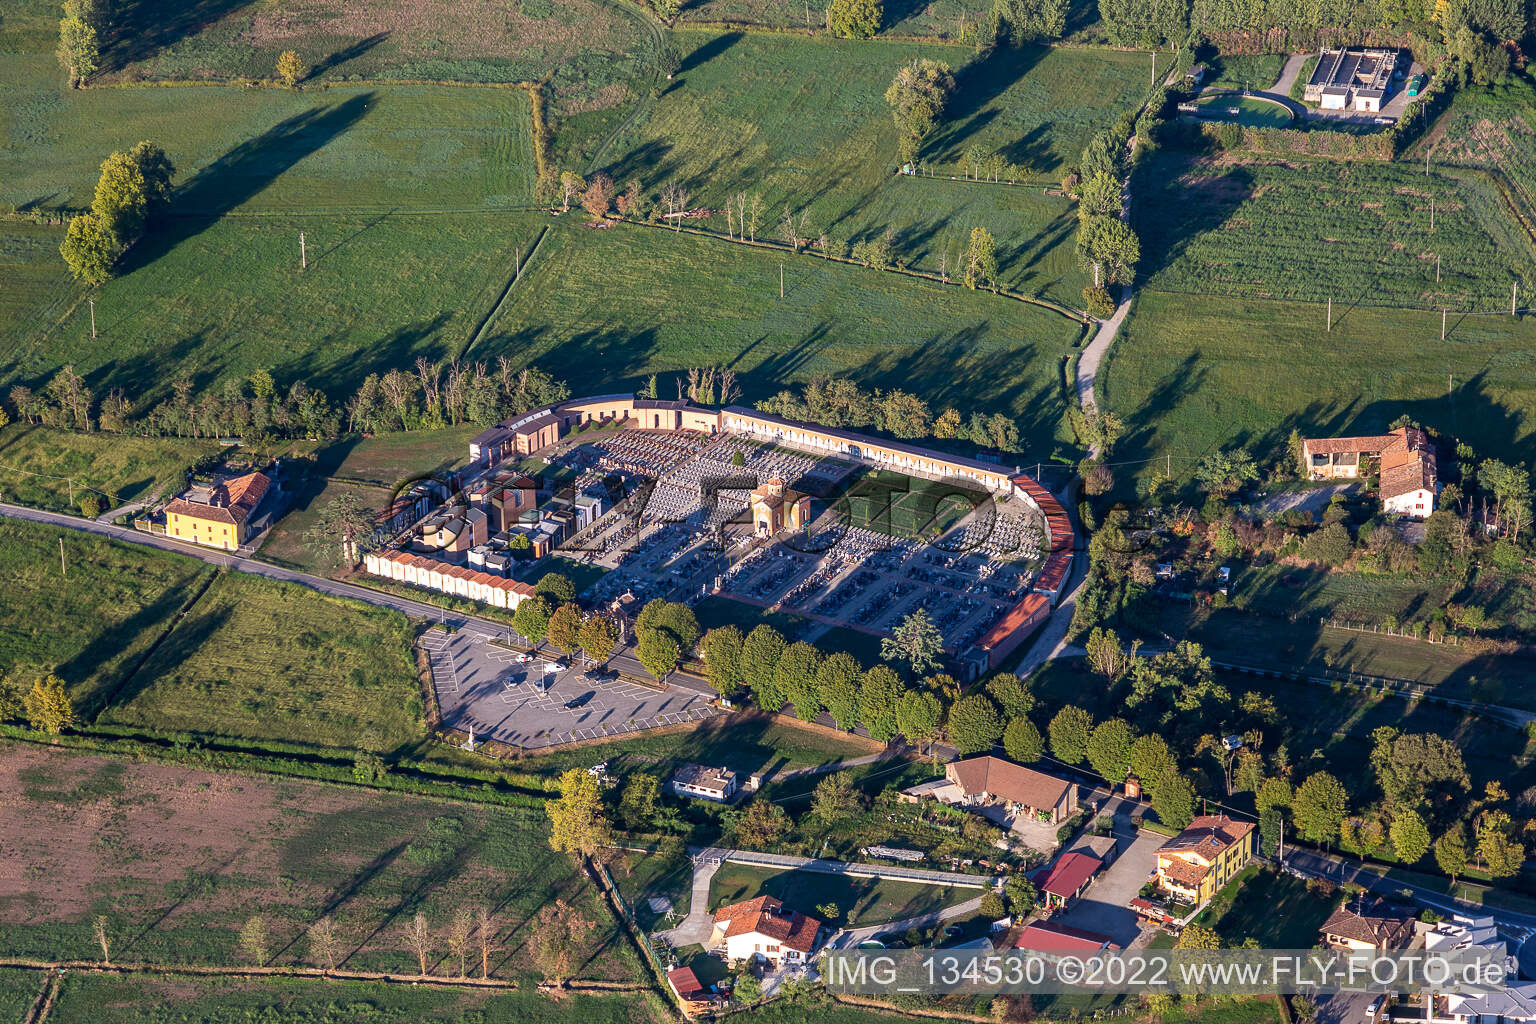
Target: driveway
x=1103 y=907
x=699 y=926
x=1303 y=499
x=1288 y=74
x=1039 y=836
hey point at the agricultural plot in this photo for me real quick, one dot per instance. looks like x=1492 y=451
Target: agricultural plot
x=1362 y=234
x=940 y=20
x=42 y=467
x=180 y=859
x=1193 y=377
x=18 y=990
x=802 y=123
x=92 y=624
x=609 y=308
x=1492 y=128
x=263 y=660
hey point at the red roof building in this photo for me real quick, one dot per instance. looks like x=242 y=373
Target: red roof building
x=1061 y=940
x=1066 y=879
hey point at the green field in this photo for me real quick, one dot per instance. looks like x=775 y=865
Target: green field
x=861 y=901
x=263 y=660
x=804 y=123
x=1359 y=233
x=40 y=465
x=18 y=990
x=146 y=999
x=1190 y=377
x=1278 y=911
x=1255 y=113
x=177 y=859
x=1256 y=73
x=371 y=468
x=651 y=301
x=1492 y=128
x=94 y=623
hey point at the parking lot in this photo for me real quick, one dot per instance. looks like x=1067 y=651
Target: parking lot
x=538 y=701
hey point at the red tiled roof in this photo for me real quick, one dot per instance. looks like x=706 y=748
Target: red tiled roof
x=1416 y=470
x=1208 y=835
x=766 y=916
x=1014 y=782
x=1019 y=615
x=1054 y=573
x=234 y=501
x=1045 y=937
x=1069 y=874
x=685 y=983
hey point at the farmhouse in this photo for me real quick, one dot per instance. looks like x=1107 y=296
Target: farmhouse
x=1405 y=458
x=987 y=780
x=1351 y=78
x=1199 y=860
x=697 y=780
x=1369 y=923
x=217 y=515
x=764 y=929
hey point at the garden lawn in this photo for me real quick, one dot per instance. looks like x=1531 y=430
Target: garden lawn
x=860 y=901
x=262 y=660
x=92 y=625
x=606 y=309
x=372 y=468
x=1190 y=377
x=803 y=123
x=376 y=149
x=228 y=298
x=1279 y=911
x=138 y=999
x=178 y=859
x=1362 y=233
x=37 y=465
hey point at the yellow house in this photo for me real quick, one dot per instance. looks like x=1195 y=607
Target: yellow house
x=1201 y=859
x=216 y=516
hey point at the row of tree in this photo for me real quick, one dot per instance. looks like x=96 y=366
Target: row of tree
x=134 y=188
x=840 y=402
x=1106 y=245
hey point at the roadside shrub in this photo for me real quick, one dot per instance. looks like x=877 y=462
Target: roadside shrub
x=90 y=506
x=1098 y=302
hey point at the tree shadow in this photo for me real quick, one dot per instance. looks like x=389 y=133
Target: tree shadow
x=709 y=51
x=977 y=85
x=142 y=28
x=345 y=54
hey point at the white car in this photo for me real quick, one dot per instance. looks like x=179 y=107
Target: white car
x=551 y=667
x=523 y=659
x=1375 y=1008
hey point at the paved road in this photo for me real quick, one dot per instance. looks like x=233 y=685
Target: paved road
x=848 y=938
x=1093 y=354
x=1288 y=74
x=699 y=925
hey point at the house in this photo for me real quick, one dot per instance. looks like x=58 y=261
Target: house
x=451 y=532
x=1201 y=859
x=1369 y=923
x=705 y=783
x=1196 y=74
x=1517 y=1002
x=764 y=929
x=1351 y=77
x=694 y=998
x=988 y=780
x=217 y=515
x=1405 y=458
x=1066 y=879
x=775 y=509
x=1061 y=940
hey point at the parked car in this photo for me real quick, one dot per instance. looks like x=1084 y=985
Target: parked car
x=576 y=702
x=1374 y=1009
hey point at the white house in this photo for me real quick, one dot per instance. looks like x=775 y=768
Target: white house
x=764 y=929
x=703 y=782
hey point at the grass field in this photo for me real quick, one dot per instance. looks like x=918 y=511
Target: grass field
x=93 y=625
x=1276 y=910
x=860 y=901
x=88 y=998
x=1190 y=377
x=177 y=859
x=259 y=660
x=1255 y=113
x=37 y=465
x=1365 y=231
x=18 y=990
x=371 y=468
x=1493 y=128
x=1257 y=73
x=803 y=122
x=647 y=300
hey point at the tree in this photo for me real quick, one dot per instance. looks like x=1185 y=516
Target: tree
x=122 y=197
x=1414 y=769
x=531 y=618
x=343 y=531
x=291 y=68
x=419 y=938
x=324 y=943
x=640 y=801
x=917 y=96
x=1024 y=21
x=658 y=652
x=1109 y=750
x=918 y=715
x=1023 y=741
x=1012 y=697
x=673 y=618
x=556 y=587
x=1108 y=247
x=461 y=930
x=879 y=692
x=992 y=905
x=917 y=641
x=48 y=707
x=571 y=186
x=565 y=629
x=748 y=989
x=1329 y=546
x=855 y=19
x=1271 y=827
x=760 y=653
x=1451 y=852
x=1069 y=732
x=762 y=825
x=722 y=659
x=1099 y=196
x=1319 y=807
x=1222 y=473
x=79 y=49
x=103 y=938
x=1198 y=936
x=834 y=799
x=560 y=938
x=157 y=170
x=254 y=940
x=1497 y=850
x=1021 y=894
x=981 y=259
x=485 y=933
x=1410 y=836
x=1173 y=798
x=837 y=688
x=89 y=249
x=974 y=725
x=1150 y=758
x=598 y=198
x=795 y=677
x=1105 y=655
x=599 y=636
x=578 y=824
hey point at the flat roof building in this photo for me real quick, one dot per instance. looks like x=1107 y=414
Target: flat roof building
x=1351 y=78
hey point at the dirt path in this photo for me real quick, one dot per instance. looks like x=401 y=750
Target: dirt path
x=1288 y=74
x=1093 y=353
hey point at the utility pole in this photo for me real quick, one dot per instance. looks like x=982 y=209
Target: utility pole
x=781 y=280
x=1427 y=152
x=93 y=318
x=1330 y=314
x=1437 y=268
x=1154 y=69
x=71 y=490
x=63 y=569
x=1442 y=324
x=1431 y=214
x=303 y=253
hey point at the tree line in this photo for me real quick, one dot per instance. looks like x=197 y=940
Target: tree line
x=840 y=402
x=134 y=189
